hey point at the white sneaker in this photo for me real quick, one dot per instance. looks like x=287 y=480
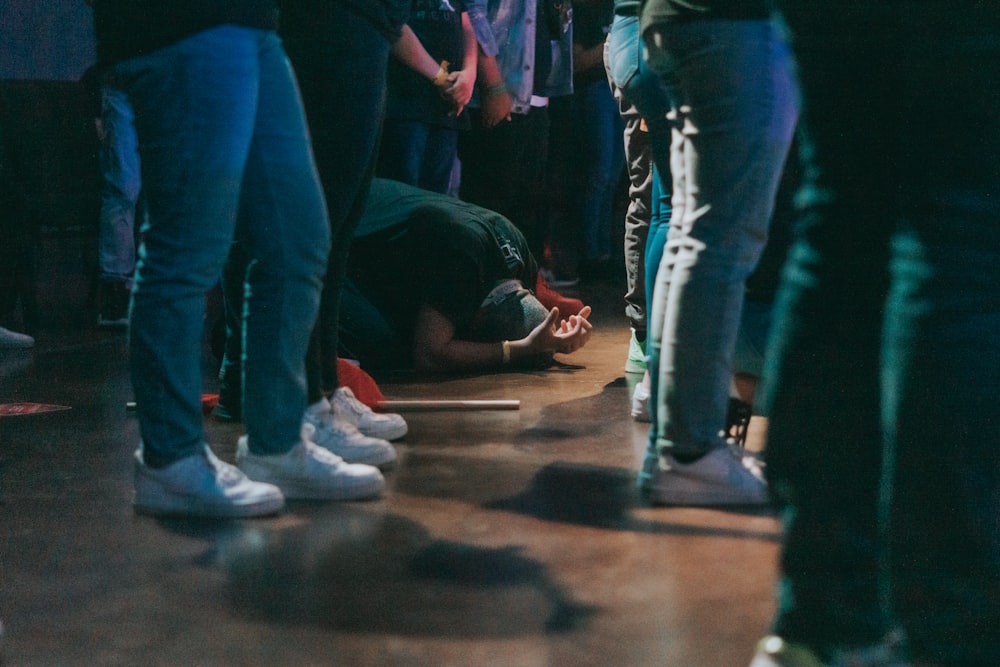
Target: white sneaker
x=201 y=485
x=723 y=476
x=773 y=651
x=383 y=425
x=640 y=404
x=12 y=340
x=343 y=438
x=311 y=472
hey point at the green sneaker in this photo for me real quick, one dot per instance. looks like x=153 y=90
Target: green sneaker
x=636 y=362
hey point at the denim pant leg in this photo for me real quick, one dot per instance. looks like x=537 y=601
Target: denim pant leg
x=284 y=226
x=727 y=157
x=345 y=138
x=439 y=159
x=194 y=116
x=197 y=113
x=602 y=160
x=659 y=225
x=504 y=170
x=119 y=162
x=641 y=97
x=402 y=148
x=866 y=379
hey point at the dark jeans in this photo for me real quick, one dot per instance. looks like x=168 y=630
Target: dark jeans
x=504 y=170
x=885 y=354
x=420 y=154
x=342 y=82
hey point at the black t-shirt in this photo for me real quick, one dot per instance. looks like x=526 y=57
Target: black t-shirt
x=414 y=247
x=315 y=21
x=438 y=25
x=128 y=28
x=668 y=11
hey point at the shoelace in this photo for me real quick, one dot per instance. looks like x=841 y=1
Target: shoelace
x=321 y=454
x=356 y=406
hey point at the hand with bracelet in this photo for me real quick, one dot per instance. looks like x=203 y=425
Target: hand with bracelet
x=566 y=337
x=496 y=104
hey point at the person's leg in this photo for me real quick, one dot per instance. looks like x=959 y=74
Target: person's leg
x=941 y=352
x=192 y=165
x=285 y=237
x=839 y=383
x=601 y=131
x=367 y=336
x=345 y=141
x=734 y=147
x=401 y=151
x=230 y=406
x=118 y=158
x=659 y=291
x=821 y=387
x=504 y=170
x=440 y=154
x=119 y=162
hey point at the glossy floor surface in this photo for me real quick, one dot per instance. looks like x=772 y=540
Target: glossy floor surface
x=506 y=537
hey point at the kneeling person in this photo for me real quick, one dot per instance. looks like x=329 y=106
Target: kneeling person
x=439 y=284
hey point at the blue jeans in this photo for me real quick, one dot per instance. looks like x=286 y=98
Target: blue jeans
x=733 y=115
x=603 y=158
x=225 y=154
x=884 y=359
x=118 y=158
x=642 y=100
x=418 y=153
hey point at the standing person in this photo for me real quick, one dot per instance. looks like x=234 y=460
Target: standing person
x=440 y=284
x=224 y=154
x=525 y=58
x=733 y=114
x=431 y=78
x=885 y=355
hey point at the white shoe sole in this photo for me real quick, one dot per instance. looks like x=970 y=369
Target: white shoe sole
x=193 y=507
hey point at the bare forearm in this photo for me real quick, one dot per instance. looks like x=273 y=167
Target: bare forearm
x=412 y=53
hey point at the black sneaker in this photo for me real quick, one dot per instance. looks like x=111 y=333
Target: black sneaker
x=112 y=299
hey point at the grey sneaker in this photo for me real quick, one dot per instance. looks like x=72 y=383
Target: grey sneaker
x=201 y=485
x=383 y=425
x=774 y=651
x=723 y=476
x=308 y=471
x=342 y=437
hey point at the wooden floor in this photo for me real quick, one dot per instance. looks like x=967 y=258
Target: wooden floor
x=506 y=538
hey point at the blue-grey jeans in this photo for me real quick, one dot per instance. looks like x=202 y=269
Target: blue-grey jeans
x=733 y=115
x=118 y=159
x=225 y=154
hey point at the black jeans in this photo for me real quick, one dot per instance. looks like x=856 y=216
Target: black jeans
x=885 y=351
x=342 y=83
x=504 y=169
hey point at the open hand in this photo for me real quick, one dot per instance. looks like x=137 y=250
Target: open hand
x=568 y=336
